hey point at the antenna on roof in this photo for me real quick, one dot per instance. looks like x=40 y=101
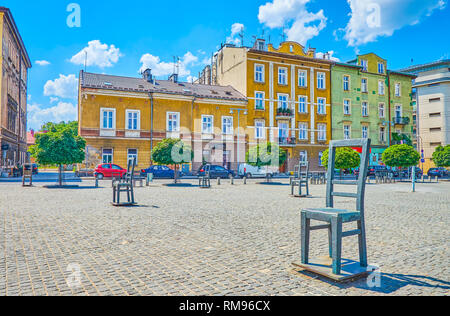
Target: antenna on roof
x=283 y=33
x=85 y=60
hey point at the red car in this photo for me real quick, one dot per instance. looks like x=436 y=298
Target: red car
x=108 y=170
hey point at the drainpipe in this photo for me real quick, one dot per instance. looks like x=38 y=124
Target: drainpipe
x=151 y=126
x=389 y=107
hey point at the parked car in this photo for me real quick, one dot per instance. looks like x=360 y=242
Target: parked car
x=35 y=169
x=406 y=172
x=160 y=172
x=438 y=172
x=108 y=170
x=246 y=170
x=216 y=171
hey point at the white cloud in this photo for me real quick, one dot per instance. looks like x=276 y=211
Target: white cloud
x=98 y=54
x=236 y=28
x=162 y=68
x=64 y=87
x=38 y=116
x=191 y=79
x=42 y=62
x=371 y=19
x=53 y=100
x=300 y=24
x=330 y=56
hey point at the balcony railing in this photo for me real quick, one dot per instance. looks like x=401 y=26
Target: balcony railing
x=288 y=113
x=402 y=120
x=287 y=141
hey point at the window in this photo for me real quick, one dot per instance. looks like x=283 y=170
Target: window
x=259 y=73
x=303 y=131
x=107 y=156
x=173 y=122
x=382 y=134
x=283 y=131
x=133 y=120
x=283 y=101
x=346 y=83
x=365 y=109
x=364 y=64
x=347 y=132
x=364 y=86
x=260 y=130
x=302 y=78
x=365 y=131
x=303 y=157
x=321 y=106
x=207 y=124
x=227 y=125
x=133 y=154
x=108 y=118
x=303 y=104
x=282 y=76
x=259 y=100
x=381 y=87
x=347 y=107
x=12 y=117
x=320 y=159
x=398 y=111
x=381 y=111
x=322 y=132
x=434 y=115
x=321 y=80
x=381 y=68
x=398 y=90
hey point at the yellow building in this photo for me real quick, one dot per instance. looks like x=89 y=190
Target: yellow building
x=289 y=93
x=123 y=117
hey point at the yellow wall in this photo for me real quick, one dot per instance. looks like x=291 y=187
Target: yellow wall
x=373 y=61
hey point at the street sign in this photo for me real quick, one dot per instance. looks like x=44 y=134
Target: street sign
x=422 y=160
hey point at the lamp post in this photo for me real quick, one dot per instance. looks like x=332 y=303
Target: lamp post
x=238 y=133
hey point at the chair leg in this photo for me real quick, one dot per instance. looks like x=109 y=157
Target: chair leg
x=132 y=194
x=330 y=242
x=362 y=244
x=305 y=232
x=336 y=231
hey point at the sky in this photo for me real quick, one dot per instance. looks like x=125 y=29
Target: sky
x=121 y=38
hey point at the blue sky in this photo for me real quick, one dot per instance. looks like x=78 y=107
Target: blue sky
x=121 y=37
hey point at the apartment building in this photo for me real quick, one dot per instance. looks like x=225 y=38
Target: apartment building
x=432 y=96
x=289 y=93
x=370 y=101
x=14 y=63
x=124 y=117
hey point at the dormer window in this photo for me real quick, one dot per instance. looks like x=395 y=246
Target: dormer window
x=381 y=68
x=364 y=64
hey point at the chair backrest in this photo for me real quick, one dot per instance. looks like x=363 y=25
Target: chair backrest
x=303 y=170
x=207 y=171
x=363 y=169
x=130 y=169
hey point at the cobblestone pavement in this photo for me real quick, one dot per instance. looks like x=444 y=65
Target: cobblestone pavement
x=229 y=240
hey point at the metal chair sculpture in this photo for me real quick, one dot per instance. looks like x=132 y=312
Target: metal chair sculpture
x=204 y=181
x=335 y=218
x=125 y=185
x=300 y=179
x=27 y=175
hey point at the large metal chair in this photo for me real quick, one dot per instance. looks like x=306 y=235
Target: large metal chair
x=335 y=218
x=125 y=185
x=204 y=181
x=300 y=179
x=27 y=176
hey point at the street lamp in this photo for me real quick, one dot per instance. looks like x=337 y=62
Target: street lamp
x=238 y=134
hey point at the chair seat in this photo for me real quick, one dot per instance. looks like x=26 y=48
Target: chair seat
x=325 y=214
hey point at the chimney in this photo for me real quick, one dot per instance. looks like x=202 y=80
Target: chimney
x=147 y=75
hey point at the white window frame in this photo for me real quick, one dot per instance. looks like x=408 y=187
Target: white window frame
x=138 y=120
x=224 y=131
x=280 y=103
x=346 y=84
x=303 y=75
x=367 y=131
x=261 y=73
x=102 y=110
x=281 y=75
x=382 y=72
x=365 y=64
x=303 y=156
x=349 y=104
x=263 y=100
x=303 y=127
x=381 y=87
x=382 y=136
x=398 y=89
x=260 y=129
x=211 y=131
x=324 y=106
x=349 y=132
x=103 y=155
x=300 y=102
x=365 y=87
x=321 y=131
x=366 y=112
x=401 y=110
x=177 y=129
x=321 y=78
x=137 y=155
x=382 y=107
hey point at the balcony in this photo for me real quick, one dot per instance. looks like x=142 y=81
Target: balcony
x=288 y=141
x=284 y=114
x=402 y=120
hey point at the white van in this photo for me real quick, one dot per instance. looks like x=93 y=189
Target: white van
x=254 y=172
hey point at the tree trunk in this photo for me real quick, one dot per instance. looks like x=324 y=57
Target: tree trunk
x=60 y=175
x=175 y=177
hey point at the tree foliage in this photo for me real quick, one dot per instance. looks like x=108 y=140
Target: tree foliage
x=401 y=156
x=266 y=154
x=59 y=144
x=172 y=152
x=441 y=157
x=346 y=158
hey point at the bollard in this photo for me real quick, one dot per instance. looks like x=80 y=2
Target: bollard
x=96 y=182
x=218 y=181
x=245 y=180
x=231 y=180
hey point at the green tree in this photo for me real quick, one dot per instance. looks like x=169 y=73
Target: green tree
x=59 y=145
x=346 y=158
x=266 y=154
x=401 y=156
x=441 y=157
x=172 y=152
